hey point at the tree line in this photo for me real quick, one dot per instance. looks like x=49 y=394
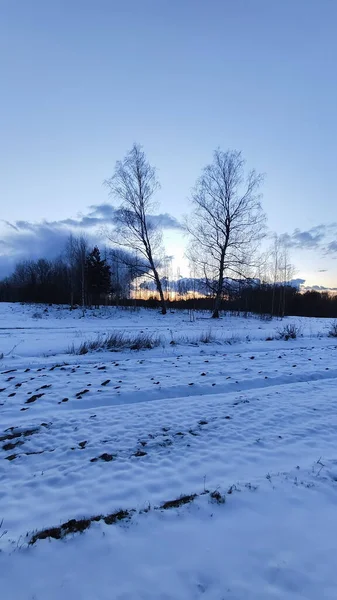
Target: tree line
x=225 y=229
x=79 y=276
x=107 y=280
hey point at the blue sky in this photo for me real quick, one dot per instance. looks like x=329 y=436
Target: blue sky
x=82 y=80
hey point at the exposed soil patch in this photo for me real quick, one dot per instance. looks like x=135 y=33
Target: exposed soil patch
x=140 y=453
x=178 y=502
x=11 y=457
x=34 y=398
x=11 y=445
x=80 y=525
x=117 y=516
x=80 y=394
x=11 y=435
x=105 y=456
x=72 y=526
x=217 y=497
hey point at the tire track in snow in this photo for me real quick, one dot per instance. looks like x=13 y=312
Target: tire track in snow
x=176 y=392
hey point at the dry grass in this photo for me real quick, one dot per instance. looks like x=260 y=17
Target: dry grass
x=117 y=340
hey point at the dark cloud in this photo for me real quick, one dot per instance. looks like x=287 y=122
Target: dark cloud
x=107 y=213
x=23 y=240
x=321 y=237
x=33 y=241
x=310 y=239
x=166 y=221
x=99 y=215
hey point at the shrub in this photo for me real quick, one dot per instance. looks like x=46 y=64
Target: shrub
x=333 y=330
x=289 y=332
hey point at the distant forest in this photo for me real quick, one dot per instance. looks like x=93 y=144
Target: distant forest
x=86 y=277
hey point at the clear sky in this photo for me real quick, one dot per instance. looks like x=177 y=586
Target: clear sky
x=83 y=79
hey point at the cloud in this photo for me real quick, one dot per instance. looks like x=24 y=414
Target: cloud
x=319 y=288
x=166 y=221
x=30 y=242
x=106 y=212
x=297 y=283
x=331 y=248
x=101 y=210
x=322 y=238
x=310 y=239
x=24 y=240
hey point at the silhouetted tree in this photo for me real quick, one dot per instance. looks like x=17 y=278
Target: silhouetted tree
x=98 y=276
x=134 y=183
x=227 y=221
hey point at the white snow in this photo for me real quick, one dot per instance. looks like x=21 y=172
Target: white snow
x=253 y=419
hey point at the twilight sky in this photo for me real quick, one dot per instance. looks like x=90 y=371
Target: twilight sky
x=83 y=79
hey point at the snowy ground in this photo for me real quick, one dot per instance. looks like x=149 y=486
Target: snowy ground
x=89 y=436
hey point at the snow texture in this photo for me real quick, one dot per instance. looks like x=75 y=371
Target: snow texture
x=244 y=425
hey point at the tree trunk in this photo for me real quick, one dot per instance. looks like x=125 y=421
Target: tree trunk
x=217 y=304
x=160 y=292
x=83 y=289
x=158 y=282
x=218 y=295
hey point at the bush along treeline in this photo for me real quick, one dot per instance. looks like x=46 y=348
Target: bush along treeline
x=225 y=229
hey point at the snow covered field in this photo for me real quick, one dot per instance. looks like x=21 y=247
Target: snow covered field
x=194 y=470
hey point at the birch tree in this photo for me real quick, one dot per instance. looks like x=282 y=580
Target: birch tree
x=227 y=222
x=134 y=184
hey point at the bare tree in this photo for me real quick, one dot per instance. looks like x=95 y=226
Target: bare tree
x=81 y=252
x=288 y=273
x=275 y=256
x=134 y=183
x=70 y=255
x=281 y=271
x=75 y=253
x=227 y=222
